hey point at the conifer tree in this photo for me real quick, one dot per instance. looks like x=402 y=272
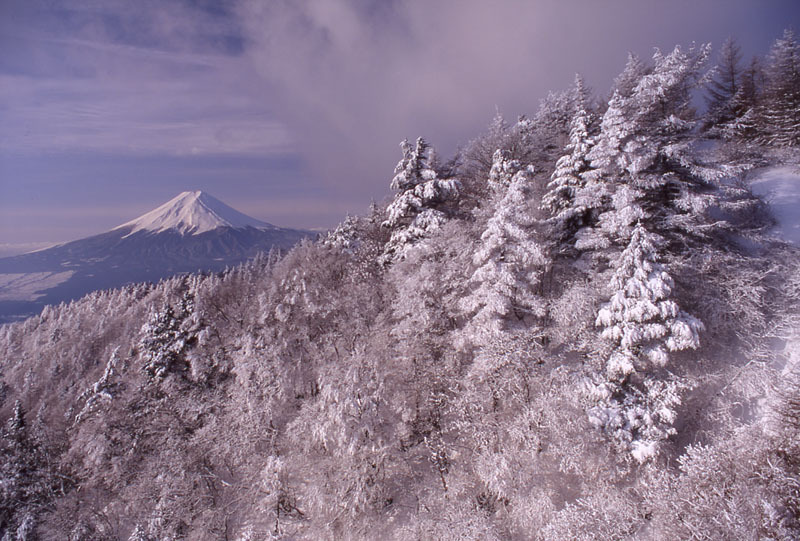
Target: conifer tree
x=509 y=261
x=344 y=236
x=28 y=478
x=744 y=106
x=552 y=121
x=779 y=113
x=606 y=163
x=640 y=319
x=420 y=207
x=644 y=325
x=626 y=81
x=641 y=168
x=567 y=179
x=167 y=335
x=723 y=89
x=16 y=423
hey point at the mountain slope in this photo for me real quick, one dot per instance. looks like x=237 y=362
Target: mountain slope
x=192 y=232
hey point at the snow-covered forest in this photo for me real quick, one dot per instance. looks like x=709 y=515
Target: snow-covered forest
x=581 y=326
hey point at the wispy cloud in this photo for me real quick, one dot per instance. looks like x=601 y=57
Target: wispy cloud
x=355 y=77
x=87 y=82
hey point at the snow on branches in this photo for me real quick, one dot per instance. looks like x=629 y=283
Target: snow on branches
x=420 y=206
x=509 y=262
x=640 y=319
x=167 y=335
x=643 y=325
x=567 y=178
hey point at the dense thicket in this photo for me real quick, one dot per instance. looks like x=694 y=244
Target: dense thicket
x=576 y=329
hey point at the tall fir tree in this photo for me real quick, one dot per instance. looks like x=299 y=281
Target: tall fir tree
x=626 y=81
x=509 y=261
x=779 y=113
x=641 y=166
x=421 y=205
x=640 y=319
x=722 y=90
x=743 y=124
x=644 y=325
x=566 y=180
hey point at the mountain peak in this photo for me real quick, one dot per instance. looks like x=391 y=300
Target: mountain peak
x=192 y=213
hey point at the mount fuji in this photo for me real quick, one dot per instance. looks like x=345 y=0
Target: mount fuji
x=192 y=232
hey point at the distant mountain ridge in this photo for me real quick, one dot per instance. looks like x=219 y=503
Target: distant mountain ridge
x=192 y=232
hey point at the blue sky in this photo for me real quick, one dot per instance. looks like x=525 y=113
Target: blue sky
x=291 y=110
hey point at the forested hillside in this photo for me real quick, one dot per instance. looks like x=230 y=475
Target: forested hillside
x=579 y=327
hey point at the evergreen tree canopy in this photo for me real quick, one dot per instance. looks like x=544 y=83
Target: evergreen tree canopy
x=421 y=205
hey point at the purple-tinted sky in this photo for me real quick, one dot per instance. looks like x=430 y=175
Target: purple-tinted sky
x=291 y=110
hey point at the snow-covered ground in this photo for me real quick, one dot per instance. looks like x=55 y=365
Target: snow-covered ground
x=780 y=186
x=27 y=286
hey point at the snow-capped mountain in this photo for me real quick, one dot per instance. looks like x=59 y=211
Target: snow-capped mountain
x=192 y=213
x=192 y=232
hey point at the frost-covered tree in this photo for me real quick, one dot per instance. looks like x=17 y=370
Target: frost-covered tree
x=641 y=167
x=637 y=416
x=744 y=125
x=747 y=479
x=420 y=207
x=161 y=342
x=140 y=534
x=567 y=178
x=344 y=236
x=643 y=324
x=626 y=81
x=476 y=157
x=102 y=391
x=345 y=455
x=29 y=477
x=641 y=320
x=167 y=335
x=552 y=120
x=509 y=261
x=606 y=162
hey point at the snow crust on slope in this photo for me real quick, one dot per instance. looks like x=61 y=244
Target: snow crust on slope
x=780 y=186
x=192 y=213
x=30 y=286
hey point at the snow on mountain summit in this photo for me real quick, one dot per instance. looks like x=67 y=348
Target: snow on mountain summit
x=192 y=213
